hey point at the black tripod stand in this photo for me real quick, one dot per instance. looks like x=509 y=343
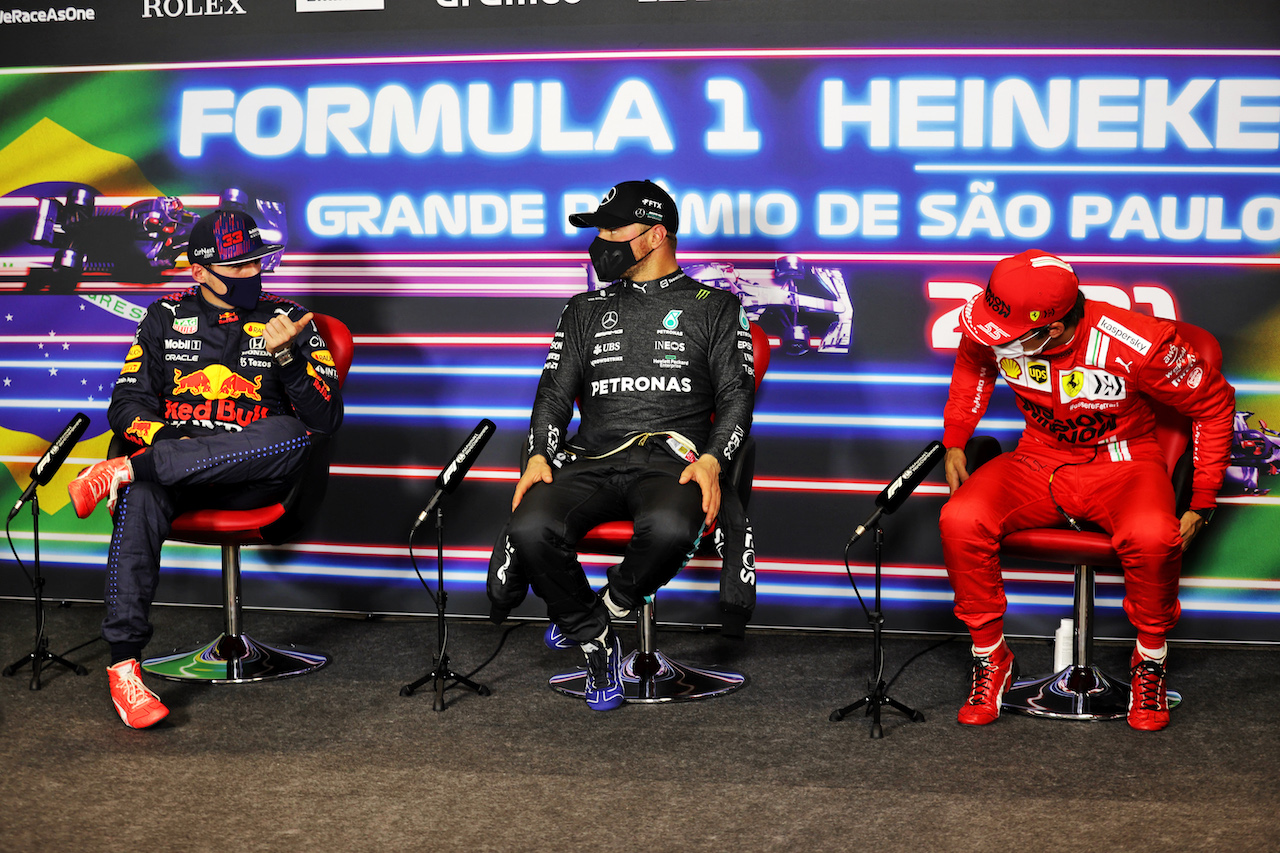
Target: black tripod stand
x=440 y=672
x=877 y=698
x=40 y=653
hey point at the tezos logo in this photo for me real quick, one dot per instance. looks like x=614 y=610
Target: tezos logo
x=190 y=8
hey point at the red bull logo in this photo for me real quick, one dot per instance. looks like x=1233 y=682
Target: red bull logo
x=226 y=413
x=142 y=431
x=216 y=382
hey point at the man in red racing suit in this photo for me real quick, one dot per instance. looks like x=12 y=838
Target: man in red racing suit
x=1084 y=374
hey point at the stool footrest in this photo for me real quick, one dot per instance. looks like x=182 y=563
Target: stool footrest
x=1074 y=693
x=654 y=677
x=235 y=659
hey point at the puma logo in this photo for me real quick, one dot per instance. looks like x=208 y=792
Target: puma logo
x=1128 y=366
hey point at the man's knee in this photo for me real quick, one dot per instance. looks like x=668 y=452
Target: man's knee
x=964 y=519
x=670 y=530
x=276 y=428
x=1155 y=536
x=531 y=527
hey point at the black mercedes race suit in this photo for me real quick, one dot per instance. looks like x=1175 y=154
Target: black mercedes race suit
x=649 y=363
x=201 y=373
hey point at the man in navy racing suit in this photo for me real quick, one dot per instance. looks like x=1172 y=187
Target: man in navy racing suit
x=221 y=390
x=649 y=360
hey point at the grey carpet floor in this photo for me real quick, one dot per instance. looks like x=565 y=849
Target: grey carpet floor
x=339 y=761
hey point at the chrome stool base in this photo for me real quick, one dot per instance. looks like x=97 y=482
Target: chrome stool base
x=232 y=659
x=652 y=678
x=1075 y=693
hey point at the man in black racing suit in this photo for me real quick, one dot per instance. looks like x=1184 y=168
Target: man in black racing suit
x=245 y=378
x=649 y=360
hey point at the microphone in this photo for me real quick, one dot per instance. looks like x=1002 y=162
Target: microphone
x=53 y=459
x=900 y=488
x=457 y=469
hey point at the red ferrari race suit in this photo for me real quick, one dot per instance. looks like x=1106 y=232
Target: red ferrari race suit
x=1090 y=431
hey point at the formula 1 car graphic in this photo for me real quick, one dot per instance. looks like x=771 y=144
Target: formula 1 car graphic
x=788 y=301
x=1253 y=452
x=139 y=241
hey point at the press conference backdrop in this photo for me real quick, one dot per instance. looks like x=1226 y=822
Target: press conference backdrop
x=851 y=169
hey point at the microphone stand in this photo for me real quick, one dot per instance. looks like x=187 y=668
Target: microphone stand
x=440 y=672
x=878 y=697
x=40 y=653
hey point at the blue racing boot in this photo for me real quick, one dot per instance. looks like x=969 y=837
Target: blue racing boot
x=604 y=672
x=556 y=640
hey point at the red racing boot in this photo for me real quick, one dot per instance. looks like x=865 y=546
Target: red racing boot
x=1148 y=699
x=137 y=706
x=97 y=482
x=993 y=674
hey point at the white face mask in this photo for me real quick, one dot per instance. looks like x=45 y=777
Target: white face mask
x=1015 y=349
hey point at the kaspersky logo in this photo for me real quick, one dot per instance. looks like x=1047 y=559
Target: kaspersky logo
x=216 y=382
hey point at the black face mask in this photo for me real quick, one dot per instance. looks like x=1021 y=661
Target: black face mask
x=611 y=259
x=241 y=293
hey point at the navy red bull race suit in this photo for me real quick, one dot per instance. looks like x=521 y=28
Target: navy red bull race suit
x=649 y=363
x=1089 y=430
x=202 y=373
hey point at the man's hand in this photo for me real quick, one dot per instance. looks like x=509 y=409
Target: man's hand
x=1191 y=524
x=954 y=464
x=706 y=473
x=280 y=332
x=536 y=470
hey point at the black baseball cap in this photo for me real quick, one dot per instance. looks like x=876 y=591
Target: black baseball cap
x=632 y=201
x=227 y=237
